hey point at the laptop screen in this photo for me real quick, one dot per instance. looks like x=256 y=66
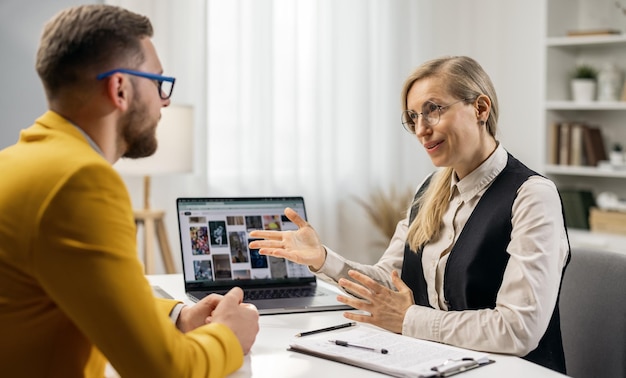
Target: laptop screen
x=214 y=242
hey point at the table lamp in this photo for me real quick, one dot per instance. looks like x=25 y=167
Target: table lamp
x=174 y=155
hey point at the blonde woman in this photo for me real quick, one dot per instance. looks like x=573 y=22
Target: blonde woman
x=478 y=261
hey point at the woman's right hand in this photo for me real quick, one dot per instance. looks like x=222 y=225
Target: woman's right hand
x=302 y=246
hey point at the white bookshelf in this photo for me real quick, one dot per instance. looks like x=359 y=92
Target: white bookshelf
x=562 y=54
x=596 y=105
x=586 y=172
x=596 y=240
x=585 y=41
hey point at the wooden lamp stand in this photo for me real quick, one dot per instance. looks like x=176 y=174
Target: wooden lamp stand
x=153 y=224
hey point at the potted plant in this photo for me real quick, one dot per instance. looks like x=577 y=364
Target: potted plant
x=584 y=81
x=385 y=209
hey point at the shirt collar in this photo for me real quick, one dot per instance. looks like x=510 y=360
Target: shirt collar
x=89 y=140
x=482 y=176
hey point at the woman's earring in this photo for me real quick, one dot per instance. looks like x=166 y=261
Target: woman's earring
x=481 y=122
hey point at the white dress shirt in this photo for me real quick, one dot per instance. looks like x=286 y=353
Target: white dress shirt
x=538 y=251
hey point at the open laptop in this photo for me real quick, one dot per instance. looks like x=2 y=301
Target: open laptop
x=216 y=257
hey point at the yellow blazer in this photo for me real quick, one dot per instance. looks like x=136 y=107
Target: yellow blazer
x=72 y=289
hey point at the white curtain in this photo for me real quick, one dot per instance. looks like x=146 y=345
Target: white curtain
x=296 y=98
x=304 y=99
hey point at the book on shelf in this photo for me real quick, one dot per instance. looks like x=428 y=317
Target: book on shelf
x=576 y=144
x=593 y=141
x=613 y=222
x=577 y=204
x=389 y=353
x=554 y=143
x=576 y=153
x=564 y=143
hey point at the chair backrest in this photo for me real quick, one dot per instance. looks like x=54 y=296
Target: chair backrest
x=593 y=314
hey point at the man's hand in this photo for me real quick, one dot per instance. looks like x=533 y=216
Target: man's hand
x=192 y=317
x=241 y=318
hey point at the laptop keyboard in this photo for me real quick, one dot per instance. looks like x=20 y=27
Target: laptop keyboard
x=297 y=292
x=253 y=294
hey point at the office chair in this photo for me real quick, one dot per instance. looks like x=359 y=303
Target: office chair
x=593 y=314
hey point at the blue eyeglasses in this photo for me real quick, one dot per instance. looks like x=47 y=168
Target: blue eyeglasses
x=164 y=83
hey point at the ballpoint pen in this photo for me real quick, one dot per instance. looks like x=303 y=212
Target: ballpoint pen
x=347 y=344
x=340 y=326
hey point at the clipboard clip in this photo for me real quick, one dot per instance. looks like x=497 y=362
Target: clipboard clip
x=454 y=366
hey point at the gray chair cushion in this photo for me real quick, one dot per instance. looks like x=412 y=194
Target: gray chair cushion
x=593 y=314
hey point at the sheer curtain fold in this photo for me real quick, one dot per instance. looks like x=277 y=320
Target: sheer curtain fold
x=315 y=88
x=301 y=98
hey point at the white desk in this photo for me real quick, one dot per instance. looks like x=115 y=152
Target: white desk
x=270 y=358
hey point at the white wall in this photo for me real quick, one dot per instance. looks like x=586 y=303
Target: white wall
x=21 y=95
x=504 y=36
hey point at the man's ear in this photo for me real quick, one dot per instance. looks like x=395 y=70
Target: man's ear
x=118 y=90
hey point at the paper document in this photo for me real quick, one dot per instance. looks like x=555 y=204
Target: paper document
x=405 y=357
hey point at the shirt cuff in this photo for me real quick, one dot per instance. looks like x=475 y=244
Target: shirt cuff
x=423 y=323
x=334 y=265
x=175 y=313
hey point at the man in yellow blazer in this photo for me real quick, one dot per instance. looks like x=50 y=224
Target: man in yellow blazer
x=72 y=290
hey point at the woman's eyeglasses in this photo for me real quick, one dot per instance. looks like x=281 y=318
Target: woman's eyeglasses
x=164 y=83
x=431 y=113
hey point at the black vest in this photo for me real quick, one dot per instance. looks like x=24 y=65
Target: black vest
x=477 y=261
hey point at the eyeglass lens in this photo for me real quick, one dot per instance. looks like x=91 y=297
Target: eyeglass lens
x=430 y=113
x=165 y=89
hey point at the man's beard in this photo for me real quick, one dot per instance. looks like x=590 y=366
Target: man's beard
x=136 y=132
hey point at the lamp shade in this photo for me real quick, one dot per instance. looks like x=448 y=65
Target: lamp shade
x=174 y=154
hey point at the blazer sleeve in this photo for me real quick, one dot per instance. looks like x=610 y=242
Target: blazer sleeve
x=86 y=259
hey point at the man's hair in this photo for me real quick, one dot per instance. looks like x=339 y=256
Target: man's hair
x=80 y=42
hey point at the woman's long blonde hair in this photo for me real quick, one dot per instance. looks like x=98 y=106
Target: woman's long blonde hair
x=465 y=79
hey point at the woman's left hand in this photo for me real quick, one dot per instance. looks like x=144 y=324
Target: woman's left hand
x=386 y=307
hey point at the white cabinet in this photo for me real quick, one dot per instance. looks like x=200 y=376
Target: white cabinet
x=562 y=54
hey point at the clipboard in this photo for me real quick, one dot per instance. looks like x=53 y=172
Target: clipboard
x=453 y=367
x=403 y=356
